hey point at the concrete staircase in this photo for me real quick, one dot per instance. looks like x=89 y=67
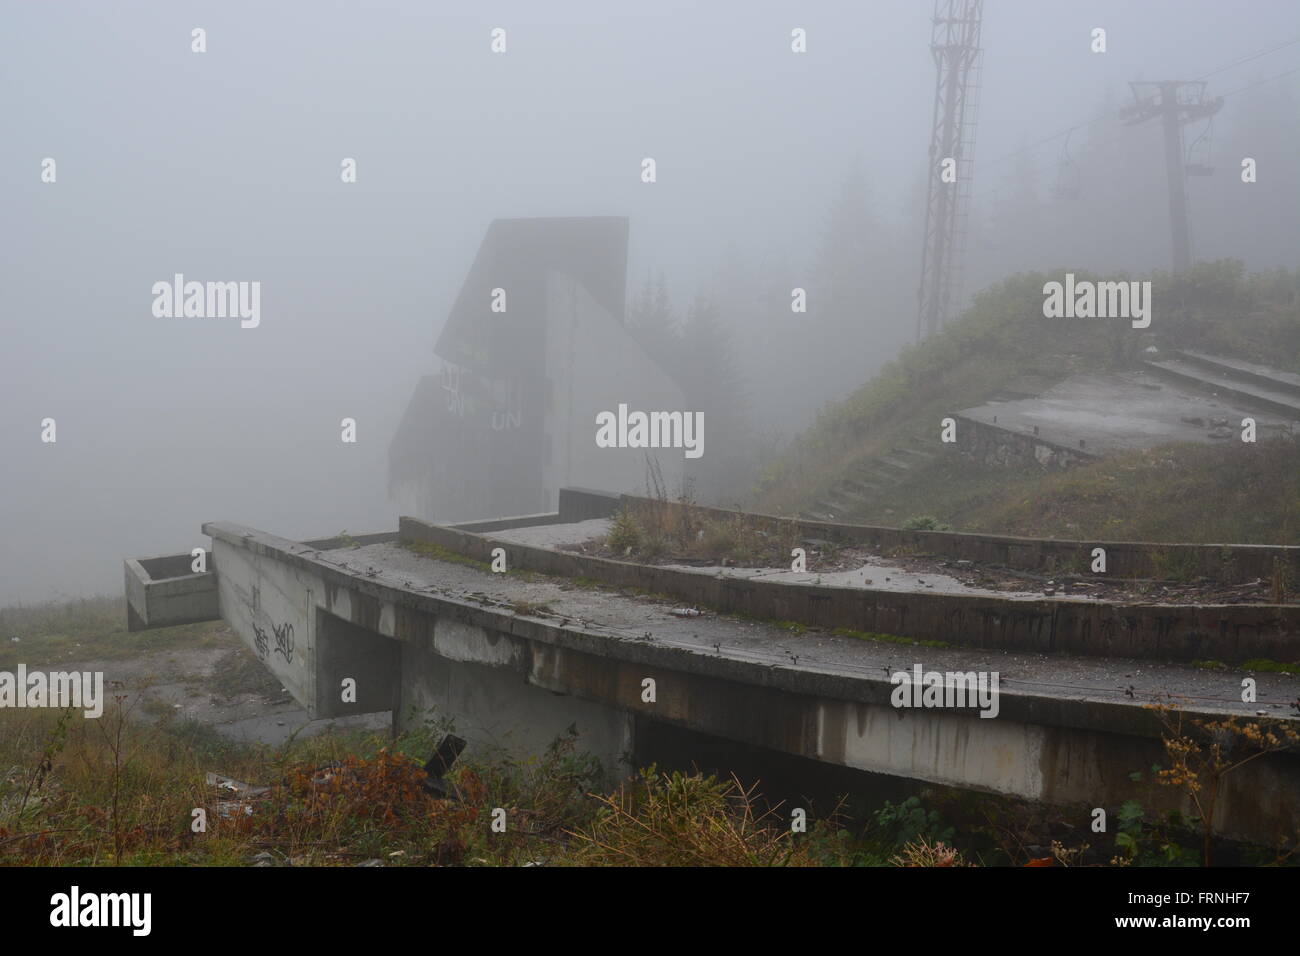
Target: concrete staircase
x=856 y=492
x=1237 y=384
x=1243 y=383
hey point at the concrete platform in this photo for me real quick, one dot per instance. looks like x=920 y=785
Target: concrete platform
x=1110 y=413
x=876 y=573
x=1063 y=624
x=515 y=660
x=645 y=621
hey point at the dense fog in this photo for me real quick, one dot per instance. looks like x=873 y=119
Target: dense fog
x=775 y=170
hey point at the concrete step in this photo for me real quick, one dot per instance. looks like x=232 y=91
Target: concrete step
x=875 y=478
x=1246 y=372
x=913 y=454
x=895 y=464
x=870 y=478
x=1264 y=398
x=845 y=500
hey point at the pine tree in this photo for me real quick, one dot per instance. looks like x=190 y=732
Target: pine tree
x=712 y=386
x=653 y=323
x=708 y=370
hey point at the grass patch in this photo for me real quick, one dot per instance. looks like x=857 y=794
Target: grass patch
x=122 y=792
x=887 y=638
x=675 y=819
x=1181 y=492
x=1272 y=667
x=649 y=530
x=531 y=608
x=1254 y=664
x=428 y=549
x=925 y=523
x=91 y=629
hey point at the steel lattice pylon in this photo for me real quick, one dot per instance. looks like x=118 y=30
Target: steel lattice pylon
x=1175 y=103
x=954 y=42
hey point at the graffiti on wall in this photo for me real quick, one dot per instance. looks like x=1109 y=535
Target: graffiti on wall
x=260 y=643
x=284 y=640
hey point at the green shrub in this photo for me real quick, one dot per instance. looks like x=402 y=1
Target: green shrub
x=909 y=822
x=625 y=533
x=925 y=523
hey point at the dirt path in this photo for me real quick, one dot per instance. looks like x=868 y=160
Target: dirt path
x=222 y=685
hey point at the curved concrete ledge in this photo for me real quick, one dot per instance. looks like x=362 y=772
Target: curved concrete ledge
x=406 y=614
x=1050 y=625
x=1227 y=563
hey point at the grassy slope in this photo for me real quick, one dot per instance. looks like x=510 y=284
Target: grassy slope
x=1196 y=493
x=1004 y=343
x=88 y=629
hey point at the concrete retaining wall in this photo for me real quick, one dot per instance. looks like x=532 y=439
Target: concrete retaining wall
x=1000 y=447
x=1226 y=563
x=164 y=592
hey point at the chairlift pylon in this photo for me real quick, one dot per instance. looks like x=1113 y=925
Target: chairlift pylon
x=1197 y=156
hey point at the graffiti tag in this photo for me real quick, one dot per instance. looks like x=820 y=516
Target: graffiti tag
x=284 y=640
x=260 y=642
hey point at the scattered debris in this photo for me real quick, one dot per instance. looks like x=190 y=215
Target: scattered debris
x=245 y=792
x=439 y=765
x=236 y=786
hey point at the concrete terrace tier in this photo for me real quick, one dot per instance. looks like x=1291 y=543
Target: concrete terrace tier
x=1242 y=383
x=1271 y=378
x=515 y=661
x=1090 y=415
x=1225 y=563
x=985 y=619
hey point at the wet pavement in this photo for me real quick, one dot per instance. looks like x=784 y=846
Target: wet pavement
x=648 y=620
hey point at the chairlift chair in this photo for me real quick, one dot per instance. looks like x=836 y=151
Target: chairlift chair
x=1069 y=184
